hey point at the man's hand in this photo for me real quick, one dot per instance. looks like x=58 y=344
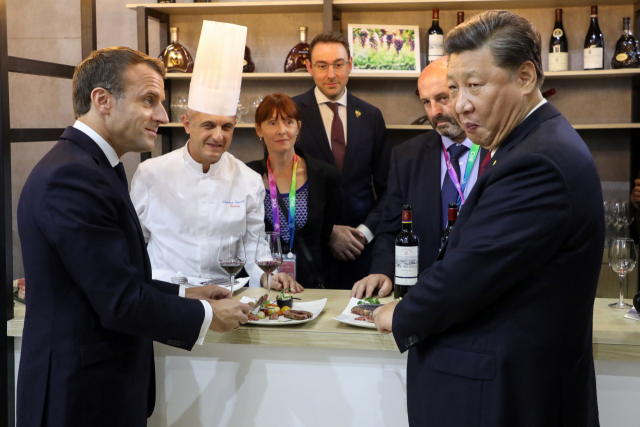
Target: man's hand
x=213 y=292
x=228 y=314
x=367 y=286
x=383 y=317
x=635 y=194
x=346 y=243
x=282 y=281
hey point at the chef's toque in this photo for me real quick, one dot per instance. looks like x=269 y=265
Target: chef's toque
x=217 y=72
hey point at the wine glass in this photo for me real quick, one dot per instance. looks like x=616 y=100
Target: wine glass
x=621 y=215
x=622 y=260
x=231 y=256
x=607 y=213
x=269 y=254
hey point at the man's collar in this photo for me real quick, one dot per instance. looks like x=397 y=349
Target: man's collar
x=100 y=141
x=197 y=167
x=540 y=104
x=322 y=99
x=448 y=142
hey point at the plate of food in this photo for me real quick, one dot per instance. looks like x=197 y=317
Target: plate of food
x=360 y=312
x=284 y=311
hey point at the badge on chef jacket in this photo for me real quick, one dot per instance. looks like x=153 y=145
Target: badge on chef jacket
x=289 y=265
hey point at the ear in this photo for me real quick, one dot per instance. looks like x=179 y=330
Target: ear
x=186 y=123
x=350 y=64
x=309 y=67
x=299 y=126
x=102 y=100
x=259 y=129
x=527 y=78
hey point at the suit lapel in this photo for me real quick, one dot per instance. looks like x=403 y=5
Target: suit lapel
x=353 y=130
x=313 y=119
x=432 y=179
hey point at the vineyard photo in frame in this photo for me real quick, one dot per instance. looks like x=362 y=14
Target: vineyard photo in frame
x=384 y=48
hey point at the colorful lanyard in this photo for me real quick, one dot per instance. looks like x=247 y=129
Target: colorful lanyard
x=471 y=160
x=273 y=190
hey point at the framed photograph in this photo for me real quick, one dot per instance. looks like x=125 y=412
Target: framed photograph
x=384 y=48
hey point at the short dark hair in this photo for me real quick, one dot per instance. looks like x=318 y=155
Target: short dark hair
x=330 y=37
x=106 y=68
x=513 y=40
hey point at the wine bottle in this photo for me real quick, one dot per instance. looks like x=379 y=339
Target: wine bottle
x=558 y=46
x=407 y=247
x=297 y=58
x=176 y=58
x=626 y=54
x=435 y=39
x=460 y=18
x=594 y=44
x=248 y=66
x=451 y=220
x=547 y=93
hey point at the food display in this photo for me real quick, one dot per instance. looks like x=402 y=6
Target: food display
x=270 y=311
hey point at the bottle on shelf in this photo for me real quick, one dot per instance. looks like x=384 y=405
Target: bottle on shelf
x=558 y=46
x=626 y=53
x=248 y=66
x=460 y=18
x=297 y=58
x=547 y=93
x=594 y=44
x=451 y=220
x=407 y=247
x=435 y=39
x=175 y=57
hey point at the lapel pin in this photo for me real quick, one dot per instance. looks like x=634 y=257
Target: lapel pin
x=494 y=162
x=358 y=113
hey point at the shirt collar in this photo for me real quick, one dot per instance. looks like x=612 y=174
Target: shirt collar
x=102 y=143
x=540 y=104
x=448 y=142
x=197 y=167
x=322 y=99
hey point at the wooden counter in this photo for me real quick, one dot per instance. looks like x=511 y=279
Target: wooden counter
x=614 y=337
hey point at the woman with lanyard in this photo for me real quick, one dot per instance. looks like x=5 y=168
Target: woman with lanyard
x=302 y=200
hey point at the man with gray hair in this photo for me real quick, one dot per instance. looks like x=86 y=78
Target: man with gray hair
x=499 y=328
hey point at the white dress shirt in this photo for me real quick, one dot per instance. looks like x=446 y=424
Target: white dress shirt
x=113 y=159
x=184 y=212
x=463 y=162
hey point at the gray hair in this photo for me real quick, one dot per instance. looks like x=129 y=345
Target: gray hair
x=513 y=40
x=105 y=68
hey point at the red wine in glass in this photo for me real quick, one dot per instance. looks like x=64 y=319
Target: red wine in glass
x=269 y=266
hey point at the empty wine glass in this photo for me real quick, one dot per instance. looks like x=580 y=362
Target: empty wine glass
x=622 y=260
x=621 y=215
x=607 y=213
x=231 y=256
x=269 y=254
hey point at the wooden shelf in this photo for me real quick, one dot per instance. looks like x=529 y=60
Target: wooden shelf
x=422 y=5
x=427 y=127
x=578 y=74
x=222 y=8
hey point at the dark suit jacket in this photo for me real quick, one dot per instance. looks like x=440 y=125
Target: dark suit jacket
x=323 y=210
x=414 y=179
x=499 y=328
x=92 y=310
x=366 y=158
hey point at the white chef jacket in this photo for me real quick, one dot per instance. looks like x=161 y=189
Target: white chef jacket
x=184 y=212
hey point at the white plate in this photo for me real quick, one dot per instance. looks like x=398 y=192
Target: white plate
x=350 y=319
x=166 y=275
x=314 y=307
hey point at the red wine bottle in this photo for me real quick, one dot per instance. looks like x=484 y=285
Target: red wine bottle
x=460 y=18
x=407 y=247
x=435 y=39
x=594 y=44
x=558 y=46
x=451 y=220
x=548 y=93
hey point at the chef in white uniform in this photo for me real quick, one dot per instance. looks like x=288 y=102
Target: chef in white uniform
x=187 y=199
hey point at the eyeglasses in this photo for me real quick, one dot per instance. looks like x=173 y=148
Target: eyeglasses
x=323 y=66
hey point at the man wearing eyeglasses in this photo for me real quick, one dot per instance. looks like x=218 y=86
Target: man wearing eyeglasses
x=351 y=134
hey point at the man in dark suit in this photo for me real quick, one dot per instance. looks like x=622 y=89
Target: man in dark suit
x=345 y=131
x=418 y=177
x=93 y=309
x=499 y=328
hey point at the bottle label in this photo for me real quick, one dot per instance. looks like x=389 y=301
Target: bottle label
x=436 y=46
x=622 y=57
x=406 y=265
x=558 y=33
x=558 y=61
x=593 y=57
x=244 y=63
x=406 y=216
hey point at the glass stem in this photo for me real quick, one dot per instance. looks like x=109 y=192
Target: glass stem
x=621 y=302
x=232 y=280
x=269 y=285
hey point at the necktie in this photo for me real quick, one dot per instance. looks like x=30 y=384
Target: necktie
x=338 y=144
x=449 y=192
x=484 y=164
x=119 y=168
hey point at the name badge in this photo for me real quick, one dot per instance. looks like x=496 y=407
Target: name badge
x=289 y=265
